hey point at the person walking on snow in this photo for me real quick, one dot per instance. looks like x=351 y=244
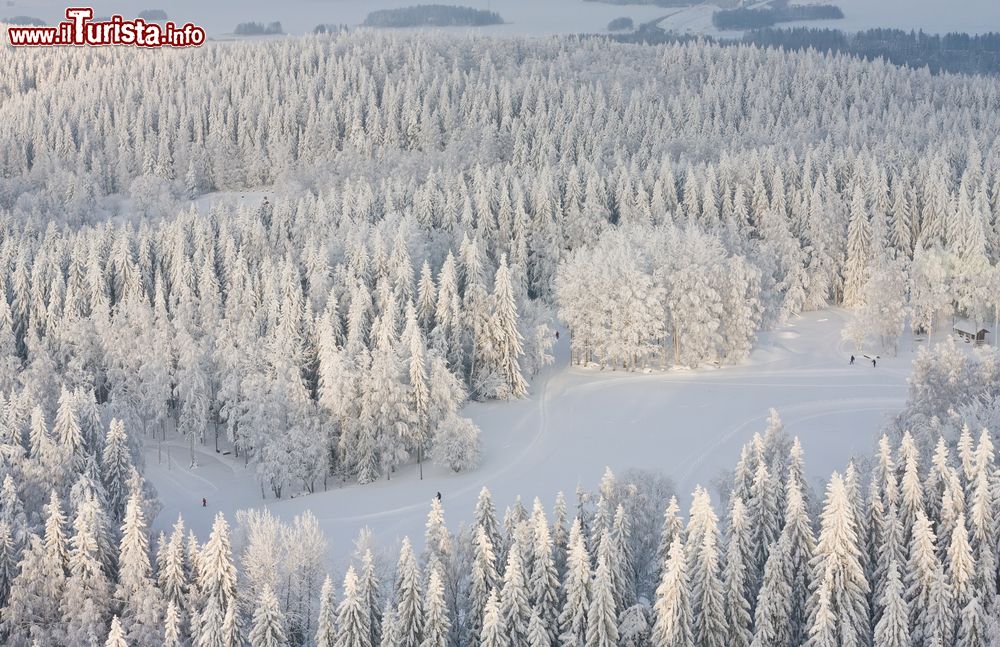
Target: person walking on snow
x=873 y=362
x=204 y=502
x=852 y=360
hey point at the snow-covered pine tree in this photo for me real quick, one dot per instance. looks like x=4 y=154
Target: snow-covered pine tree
x=116 y=465
x=409 y=618
x=576 y=591
x=514 y=594
x=436 y=623
x=893 y=627
x=801 y=547
x=85 y=605
x=370 y=592
x=326 y=624
x=543 y=581
x=494 y=632
x=136 y=594
x=353 y=618
x=707 y=592
x=116 y=636
x=737 y=582
x=268 y=625
x=602 y=616
x=772 y=626
x=672 y=607
x=841 y=587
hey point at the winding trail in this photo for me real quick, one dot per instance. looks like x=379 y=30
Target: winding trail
x=686 y=424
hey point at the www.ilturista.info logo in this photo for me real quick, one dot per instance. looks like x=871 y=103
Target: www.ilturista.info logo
x=78 y=29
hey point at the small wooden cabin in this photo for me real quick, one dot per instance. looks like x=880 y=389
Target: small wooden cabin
x=971 y=332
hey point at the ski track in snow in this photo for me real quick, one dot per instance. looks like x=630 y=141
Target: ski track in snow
x=687 y=424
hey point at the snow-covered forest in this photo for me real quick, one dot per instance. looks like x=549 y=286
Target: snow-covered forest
x=431 y=207
x=896 y=553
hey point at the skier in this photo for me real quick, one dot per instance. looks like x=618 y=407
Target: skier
x=873 y=362
x=204 y=502
x=852 y=360
x=438 y=496
x=557 y=335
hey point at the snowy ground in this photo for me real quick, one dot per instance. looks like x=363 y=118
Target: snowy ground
x=689 y=425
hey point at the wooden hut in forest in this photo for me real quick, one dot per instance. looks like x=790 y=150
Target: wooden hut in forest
x=971 y=332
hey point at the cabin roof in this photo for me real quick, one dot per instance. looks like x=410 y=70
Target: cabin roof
x=969 y=328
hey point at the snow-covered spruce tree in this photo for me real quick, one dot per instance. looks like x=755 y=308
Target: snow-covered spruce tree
x=737 y=582
x=326 y=624
x=116 y=465
x=502 y=376
x=216 y=583
x=137 y=596
x=409 y=619
x=543 y=581
x=494 y=633
x=172 y=569
x=576 y=591
x=672 y=607
x=369 y=590
x=353 y=618
x=893 y=628
x=268 y=625
x=116 y=636
x=602 y=616
x=771 y=621
x=85 y=605
x=840 y=588
x=436 y=623
x=172 y=628
x=483 y=580
x=801 y=547
x=710 y=624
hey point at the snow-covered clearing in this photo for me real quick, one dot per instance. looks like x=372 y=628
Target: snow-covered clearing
x=688 y=425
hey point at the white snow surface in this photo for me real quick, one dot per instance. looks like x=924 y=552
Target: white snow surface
x=687 y=424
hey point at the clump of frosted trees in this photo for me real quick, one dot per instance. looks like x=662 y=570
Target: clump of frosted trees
x=903 y=552
x=311 y=361
x=662 y=294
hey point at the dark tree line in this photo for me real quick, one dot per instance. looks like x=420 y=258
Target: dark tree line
x=258 y=29
x=956 y=52
x=742 y=18
x=432 y=15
